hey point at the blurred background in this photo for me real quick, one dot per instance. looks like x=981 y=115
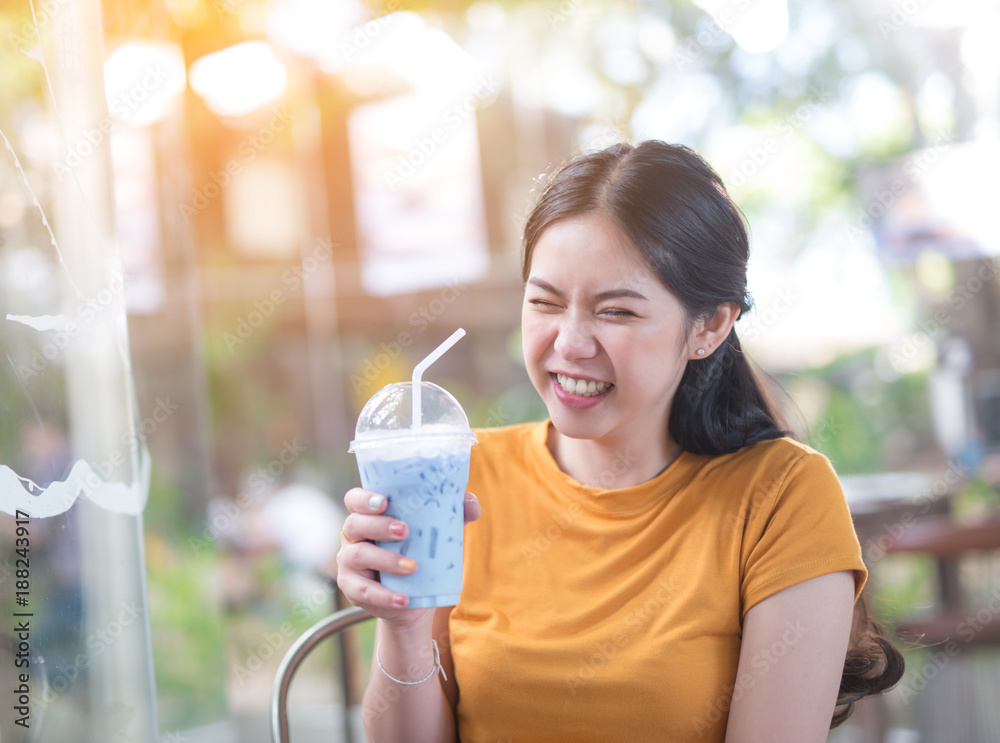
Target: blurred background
x=294 y=201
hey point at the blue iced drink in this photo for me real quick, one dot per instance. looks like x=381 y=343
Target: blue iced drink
x=428 y=493
x=423 y=471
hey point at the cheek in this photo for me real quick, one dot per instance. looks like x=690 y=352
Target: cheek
x=648 y=359
x=535 y=335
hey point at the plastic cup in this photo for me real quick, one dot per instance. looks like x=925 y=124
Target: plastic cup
x=423 y=474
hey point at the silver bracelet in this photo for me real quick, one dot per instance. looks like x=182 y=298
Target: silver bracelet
x=438 y=668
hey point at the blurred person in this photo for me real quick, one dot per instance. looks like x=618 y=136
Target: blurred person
x=292 y=519
x=659 y=560
x=299 y=518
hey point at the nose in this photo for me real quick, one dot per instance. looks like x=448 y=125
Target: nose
x=575 y=339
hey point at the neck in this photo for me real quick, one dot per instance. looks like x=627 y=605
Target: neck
x=611 y=463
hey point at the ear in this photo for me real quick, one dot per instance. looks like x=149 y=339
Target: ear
x=711 y=332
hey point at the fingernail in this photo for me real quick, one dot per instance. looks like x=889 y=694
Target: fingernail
x=399 y=599
x=398 y=528
x=376 y=501
x=407 y=564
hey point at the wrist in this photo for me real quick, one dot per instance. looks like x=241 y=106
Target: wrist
x=436 y=669
x=412 y=627
x=406 y=653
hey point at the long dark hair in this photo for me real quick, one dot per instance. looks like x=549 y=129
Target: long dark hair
x=673 y=207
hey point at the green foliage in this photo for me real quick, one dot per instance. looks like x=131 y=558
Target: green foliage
x=187 y=631
x=904 y=587
x=165 y=510
x=866 y=417
x=848 y=435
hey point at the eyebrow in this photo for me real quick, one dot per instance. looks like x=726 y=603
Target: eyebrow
x=600 y=297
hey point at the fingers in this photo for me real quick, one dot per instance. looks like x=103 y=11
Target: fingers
x=359 y=560
x=364 y=523
x=368 y=593
x=365 y=557
x=358 y=567
x=359 y=500
x=472 y=508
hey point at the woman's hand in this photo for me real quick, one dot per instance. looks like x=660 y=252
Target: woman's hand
x=359 y=560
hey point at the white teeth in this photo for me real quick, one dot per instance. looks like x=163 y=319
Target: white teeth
x=581 y=387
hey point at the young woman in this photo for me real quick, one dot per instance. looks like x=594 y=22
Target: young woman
x=658 y=561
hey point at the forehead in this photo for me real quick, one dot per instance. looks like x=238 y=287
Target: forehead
x=592 y=251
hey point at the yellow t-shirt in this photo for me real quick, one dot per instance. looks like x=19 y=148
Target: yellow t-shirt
x=616 y=615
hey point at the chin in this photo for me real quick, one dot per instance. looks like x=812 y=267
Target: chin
x=568 y=425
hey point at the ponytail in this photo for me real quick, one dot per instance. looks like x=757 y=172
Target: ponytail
x=873 y=664
x=720 y=405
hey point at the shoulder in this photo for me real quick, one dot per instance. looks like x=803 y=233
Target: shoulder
x=772 y=459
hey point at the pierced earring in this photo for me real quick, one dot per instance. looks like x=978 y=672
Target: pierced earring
x=701 y=351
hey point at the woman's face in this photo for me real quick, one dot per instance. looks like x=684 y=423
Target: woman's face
x=604 y=341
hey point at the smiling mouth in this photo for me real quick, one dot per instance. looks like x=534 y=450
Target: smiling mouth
x=582 y=387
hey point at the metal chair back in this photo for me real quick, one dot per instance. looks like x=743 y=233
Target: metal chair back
x=312 y=637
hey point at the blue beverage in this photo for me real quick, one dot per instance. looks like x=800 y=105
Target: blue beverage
x=428 y=493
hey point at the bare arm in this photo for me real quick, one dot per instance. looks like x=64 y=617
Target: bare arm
x=791 y=661
x=395 y=712
x=391 y=711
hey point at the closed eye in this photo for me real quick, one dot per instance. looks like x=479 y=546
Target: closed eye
x=618 y=313
x=542 y=304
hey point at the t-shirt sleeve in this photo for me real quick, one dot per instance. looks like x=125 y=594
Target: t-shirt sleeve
x=802 y=529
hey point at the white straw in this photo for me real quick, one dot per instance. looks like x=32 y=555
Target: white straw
x=419 y=369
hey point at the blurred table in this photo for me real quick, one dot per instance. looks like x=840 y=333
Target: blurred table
x=884 y=506
x=911 y=513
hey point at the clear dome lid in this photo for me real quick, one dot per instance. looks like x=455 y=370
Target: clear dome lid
x=387 y=417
